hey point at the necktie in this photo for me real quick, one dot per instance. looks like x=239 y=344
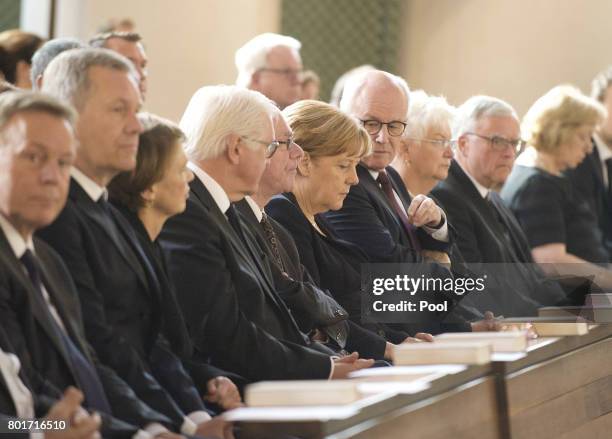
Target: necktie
x=410 y=229
x=497 y=215
x=232 y=218
x=272 y=240
x=86 y=376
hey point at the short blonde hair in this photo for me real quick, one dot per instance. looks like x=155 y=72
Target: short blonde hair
x=324 y=131
x=554 y=117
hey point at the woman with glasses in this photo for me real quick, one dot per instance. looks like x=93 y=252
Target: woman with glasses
x=154 y=191
x=426 y=151
x=333 y=144
x=558 y=224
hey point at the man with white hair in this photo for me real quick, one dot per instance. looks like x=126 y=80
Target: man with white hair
x=223 y=279
x=271 y=64
x=488 y=138
x=378 y=215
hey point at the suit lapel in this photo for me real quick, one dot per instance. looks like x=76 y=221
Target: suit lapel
x=372 y=187
x=36 y=304
x=97 y=214
x=200 y=191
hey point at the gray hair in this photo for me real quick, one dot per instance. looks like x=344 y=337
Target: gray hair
x=357 y=83
x=426 y=112
x=15 y=102
x=100 y=40
x=67 y=76
x=215 y=112
x=338 y=90
x=476 y=108
x=253 y=55
x=45 y=54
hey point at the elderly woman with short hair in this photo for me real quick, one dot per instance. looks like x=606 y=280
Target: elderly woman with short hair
x=426 y=152
x=558 y=223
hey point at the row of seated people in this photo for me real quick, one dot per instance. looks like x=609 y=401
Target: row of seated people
x=172 y=265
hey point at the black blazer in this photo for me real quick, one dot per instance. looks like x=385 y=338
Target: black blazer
x=480 y=237
x=174 y=327
x=226 y=290
x=354 y=338
x=587 y=178
x=332 y=263
x=367 y=220
x=122 y=302
x=43 y=354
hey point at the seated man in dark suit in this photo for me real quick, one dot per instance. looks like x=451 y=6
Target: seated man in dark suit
x=309 y=301
x=39 y=305
x=222 y=278
x=120 y=295
x=488 y=138
x=593 y=177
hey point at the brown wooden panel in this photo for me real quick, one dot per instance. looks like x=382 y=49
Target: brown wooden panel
x=468 y=412
x=564 y=413
x=543 y=382
x=600 y=428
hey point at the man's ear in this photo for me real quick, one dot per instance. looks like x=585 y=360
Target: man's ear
x=233 y=148
x=462 y=146
x=304 y=165
x=39 y=82
x=254 y=85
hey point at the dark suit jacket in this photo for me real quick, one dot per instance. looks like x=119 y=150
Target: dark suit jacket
x=175 y=328
x=480 y=237
x=225 y=287
x=42 y=353
x=355 y=338
x=587 y=178
x=122 y=302
x=367 y=220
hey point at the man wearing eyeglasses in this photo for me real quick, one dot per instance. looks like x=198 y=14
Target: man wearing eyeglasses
x=271 y=64
x=378 y=215
x=487 y=135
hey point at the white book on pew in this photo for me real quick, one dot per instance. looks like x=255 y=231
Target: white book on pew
x=475 y=352
x=554 y=326
x=598 y=300
x=510 y=341
x=301 y=393
x=404 y=373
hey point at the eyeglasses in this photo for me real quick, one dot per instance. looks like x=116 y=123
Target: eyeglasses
x=438 y=143
x=501 y=143
x=394 y=128
x=289 y=73
x=271 y=147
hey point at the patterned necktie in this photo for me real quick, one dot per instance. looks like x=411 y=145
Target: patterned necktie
x=272 y=240
x=86 y=375
x=410 y=229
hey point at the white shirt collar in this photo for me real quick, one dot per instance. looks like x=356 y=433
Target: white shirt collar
x=215 y=189
x=15 y=240
x=602 y=148
x=483 y=191
x=255 y=208
x=373 y=173
x=91 y=188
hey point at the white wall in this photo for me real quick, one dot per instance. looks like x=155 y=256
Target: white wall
x=190 y=43
x=513 y=49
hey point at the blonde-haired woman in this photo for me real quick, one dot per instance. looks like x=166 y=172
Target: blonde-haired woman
x=558 y=223
x=333 y=144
